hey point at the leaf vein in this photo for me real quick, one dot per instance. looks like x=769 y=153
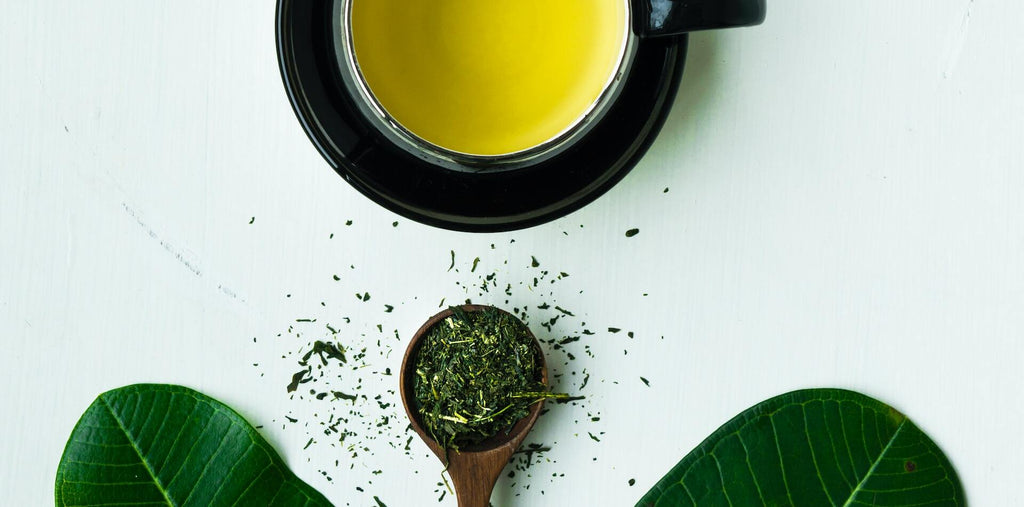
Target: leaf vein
x=181 y=429
x=210 y=459
x=142 y=458
x=255 y=477
x=782 y=466
x=746 y=456
x=188 y=454
x=846 y=441
x=814 y=459
x=867 y=475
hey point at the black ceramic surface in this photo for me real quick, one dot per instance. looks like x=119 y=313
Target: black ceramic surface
x=494 y=201
x=652 y=18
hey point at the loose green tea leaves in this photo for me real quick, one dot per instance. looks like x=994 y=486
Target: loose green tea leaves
x=349 y=431
x=338 y=395
x=567 y=399
x=529 y=450
x=477 y=373
x=632 y=232
x=299 y=377
x=324 y=350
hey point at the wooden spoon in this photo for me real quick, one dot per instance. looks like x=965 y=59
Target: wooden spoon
x=473 y=469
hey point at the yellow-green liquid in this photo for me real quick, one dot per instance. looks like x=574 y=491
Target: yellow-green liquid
x=488 y=77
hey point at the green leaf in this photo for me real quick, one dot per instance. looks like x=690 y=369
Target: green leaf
x=813 y=447
x=168 y=445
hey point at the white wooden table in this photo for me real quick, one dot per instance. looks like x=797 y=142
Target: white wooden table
x=844 y=210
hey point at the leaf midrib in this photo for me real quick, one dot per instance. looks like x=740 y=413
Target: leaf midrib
x=867 y=475
x=138 y=452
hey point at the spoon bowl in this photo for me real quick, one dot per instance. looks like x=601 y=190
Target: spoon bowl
x=473 y=468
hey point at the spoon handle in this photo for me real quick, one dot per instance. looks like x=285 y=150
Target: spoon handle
x=474 y=474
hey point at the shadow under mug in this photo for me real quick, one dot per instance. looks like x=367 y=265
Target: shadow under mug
x=645 y=19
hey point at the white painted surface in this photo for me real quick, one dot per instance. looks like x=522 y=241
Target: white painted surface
x=845 y=210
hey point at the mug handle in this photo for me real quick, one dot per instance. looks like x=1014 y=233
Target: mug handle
x=654 y=18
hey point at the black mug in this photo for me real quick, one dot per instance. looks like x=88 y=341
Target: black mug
x=650 y=18
x=461 y=191
x=653 y=18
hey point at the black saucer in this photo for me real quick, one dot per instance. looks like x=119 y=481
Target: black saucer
x=484 y=202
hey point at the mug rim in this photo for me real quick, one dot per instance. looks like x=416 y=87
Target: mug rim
x=389 y=126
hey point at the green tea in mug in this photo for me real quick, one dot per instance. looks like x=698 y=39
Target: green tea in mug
x=487 y=77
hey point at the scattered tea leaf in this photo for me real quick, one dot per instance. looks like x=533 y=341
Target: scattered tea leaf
x=324 y=350
x=567 y=399
x=338 y=395
x=299 y=378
